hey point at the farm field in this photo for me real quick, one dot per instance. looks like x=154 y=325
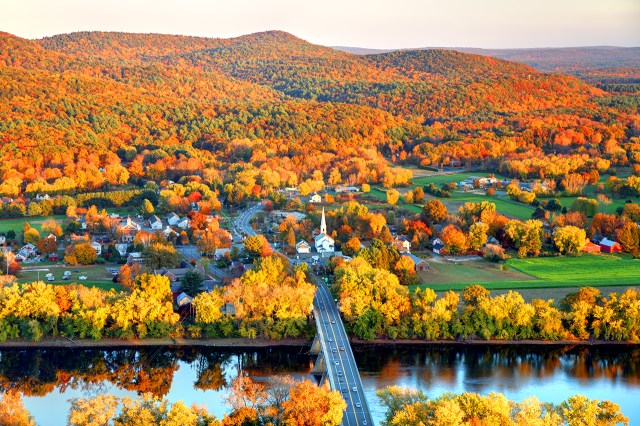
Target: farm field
x=546 y=272
x=97 y=275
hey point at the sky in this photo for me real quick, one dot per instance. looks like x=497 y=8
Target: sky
x=383 y=24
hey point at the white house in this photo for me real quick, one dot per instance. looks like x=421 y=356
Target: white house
x=303 y=247
x=122 y=249
x=169 y=233
x=402 y=244
x=173 y=219
x=155 y=223
x=315 y=198
x=323 y=242
x=184 y=223
x=183 y=299
x=437 y=245
x=97 y=247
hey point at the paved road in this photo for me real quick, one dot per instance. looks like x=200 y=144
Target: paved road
x=191 y=252
x=341 y=365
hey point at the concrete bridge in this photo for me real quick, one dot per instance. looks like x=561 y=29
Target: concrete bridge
x=335 y=360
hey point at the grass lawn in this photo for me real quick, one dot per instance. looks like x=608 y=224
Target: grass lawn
x=97 y=275
x=544 y=272
x=36 y=222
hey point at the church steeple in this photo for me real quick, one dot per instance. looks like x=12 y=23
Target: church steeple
x=323 y=224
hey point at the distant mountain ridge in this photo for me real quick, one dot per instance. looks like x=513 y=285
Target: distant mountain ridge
x=272 y=101
x=560 y=59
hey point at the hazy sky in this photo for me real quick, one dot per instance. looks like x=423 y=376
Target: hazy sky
x=359 y=23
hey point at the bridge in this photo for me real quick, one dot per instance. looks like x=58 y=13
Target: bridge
x=335 y=360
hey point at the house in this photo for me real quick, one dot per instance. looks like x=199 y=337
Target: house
x=221 y=253
x=83 y=223
x=609 y=246
x=27 y=251
x=492 y=240
x=173 y=219
x=183 y=223
x=303 y=247
x=315 y=198
x=323 y=242
x=155 y=223
x=437 y=245
x=402 y=244
x=169 y=233
x=591 y=248
x=53 y=257
x=135 y=257
x=97 y=247
x=122 y=249
x=347 y=189
x=174 y=274
x=41 y=197
x=184 y=299
x=419 y=264
x=3 y=239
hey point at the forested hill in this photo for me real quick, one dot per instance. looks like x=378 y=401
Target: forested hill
x=275 y=110
x=553 y=59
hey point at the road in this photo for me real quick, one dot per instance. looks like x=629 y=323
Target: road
x=341 y=365
x=342 y=370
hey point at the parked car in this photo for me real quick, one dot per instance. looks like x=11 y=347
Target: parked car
x=82 y=278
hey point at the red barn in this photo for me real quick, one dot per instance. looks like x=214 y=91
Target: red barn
x=591 y=248
x=608 y=246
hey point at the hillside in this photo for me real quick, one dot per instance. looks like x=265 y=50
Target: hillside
x=269 y=109
x=562 y=59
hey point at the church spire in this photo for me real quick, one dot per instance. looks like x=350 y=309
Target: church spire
x=323 y=224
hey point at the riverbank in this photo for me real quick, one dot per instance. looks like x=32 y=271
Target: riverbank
x=244 y=343
x=480 y=342
x=239 y=343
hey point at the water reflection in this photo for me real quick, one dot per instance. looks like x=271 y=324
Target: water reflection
x=202 y=375
x=510 y=365
x=38 y=372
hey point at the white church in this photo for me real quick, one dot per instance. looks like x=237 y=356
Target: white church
x=323 y=242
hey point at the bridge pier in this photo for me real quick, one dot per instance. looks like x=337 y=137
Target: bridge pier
x=319 y=370
x=316 y=346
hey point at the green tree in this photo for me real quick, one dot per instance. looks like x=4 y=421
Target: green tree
x=31 y=236
x=161 y=255
x=191 y=282
x=147 y=208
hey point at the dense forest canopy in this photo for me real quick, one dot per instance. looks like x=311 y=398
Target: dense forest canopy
x=268 y=110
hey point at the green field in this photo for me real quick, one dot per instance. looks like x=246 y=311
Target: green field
x=544 y=272
x=503 y=205
x=97 y=275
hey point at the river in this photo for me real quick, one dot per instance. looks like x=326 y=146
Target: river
x=49 y=378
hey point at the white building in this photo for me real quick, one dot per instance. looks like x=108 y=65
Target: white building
x=173 y=219
x=323 y=242
x=184 y=223
x=303 y=247
x=122 y=249
x=97 y=247
x=155 y=223
x=315 y=198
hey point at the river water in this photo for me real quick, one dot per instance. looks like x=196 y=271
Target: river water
x=49 y=378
